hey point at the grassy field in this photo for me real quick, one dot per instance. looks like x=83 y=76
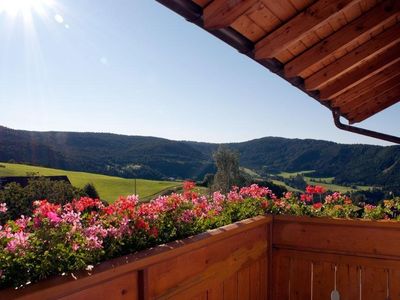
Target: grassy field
x=288 y=187
x=109 y=187
x=326 y=182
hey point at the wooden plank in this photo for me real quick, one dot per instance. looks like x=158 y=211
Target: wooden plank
x=301 y=4
x=339 y=21
x=264 y=18
x=376 y=105
x=246 y=26
x=231 y=288
x=255 y=283
x=216 y=291
x=244 y=283
x=328 y=235
x=298 y=27
x=388 y=94
x=222 y=13
x=356 y=75
x=323 y=279
x=200 y=296
x=348 y=281
x=362 y=26
x=281 y=266
x=216 y=262
x=300 y=279
x=394 y=284
x=361 y=90
x=373 y=47
x=283 y=9
x=374 y=283
x=264 y=280
x=123 y=287
x=353 y=12
x=367 y=4
x=363 y=99
x=284 y=56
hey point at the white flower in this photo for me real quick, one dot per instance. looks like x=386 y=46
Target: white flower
x=89 y=268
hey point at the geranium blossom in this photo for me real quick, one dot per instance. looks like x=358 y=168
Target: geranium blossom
x=3 y=207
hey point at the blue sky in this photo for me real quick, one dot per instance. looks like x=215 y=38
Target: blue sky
x=134 y=67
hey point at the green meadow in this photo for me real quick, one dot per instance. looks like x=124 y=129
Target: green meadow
x=108 y=187
x=326 y=182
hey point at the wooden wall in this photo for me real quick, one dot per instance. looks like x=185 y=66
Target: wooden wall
x=313 y=256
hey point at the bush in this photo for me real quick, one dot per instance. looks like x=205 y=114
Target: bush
x=19 y=200
x=90 y=191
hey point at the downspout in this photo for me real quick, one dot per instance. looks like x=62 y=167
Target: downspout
x=362 y=131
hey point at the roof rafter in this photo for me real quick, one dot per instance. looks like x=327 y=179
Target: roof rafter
x=375 y=105
x=374 y=46
x=362 y=26
x=299 y=26
x=363 y=99
x=221 y=13
x=361 y=73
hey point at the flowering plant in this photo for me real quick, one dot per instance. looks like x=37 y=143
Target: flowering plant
x=388 y=209
x=63 y=239
x=59 y=240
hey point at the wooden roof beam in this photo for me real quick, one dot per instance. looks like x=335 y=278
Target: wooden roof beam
x=222 y=13
x=299 y=26
x=372 y=47
x=365 y=86
x=361 y=73
x=375 y=105
x=373 y=92
x=360 y=27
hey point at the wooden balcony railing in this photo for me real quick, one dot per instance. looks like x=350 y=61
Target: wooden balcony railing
x=227 y=263
x=261 y=258
x=312 y=257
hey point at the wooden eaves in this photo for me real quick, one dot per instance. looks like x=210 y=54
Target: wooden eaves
x=343 y=53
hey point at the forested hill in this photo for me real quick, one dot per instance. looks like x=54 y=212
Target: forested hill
x=157 y=158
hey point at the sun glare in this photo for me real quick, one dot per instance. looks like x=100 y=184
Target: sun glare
x=25 y=8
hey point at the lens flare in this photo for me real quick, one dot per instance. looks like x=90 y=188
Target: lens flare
x=14 y=8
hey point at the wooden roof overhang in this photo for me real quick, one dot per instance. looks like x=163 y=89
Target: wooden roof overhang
x=343 y=53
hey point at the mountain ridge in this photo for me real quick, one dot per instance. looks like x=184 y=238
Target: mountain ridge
x=159 y=158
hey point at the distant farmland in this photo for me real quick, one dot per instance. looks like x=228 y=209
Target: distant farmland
x=109 y=187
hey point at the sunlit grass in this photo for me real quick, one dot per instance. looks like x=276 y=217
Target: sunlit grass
x=109 y=187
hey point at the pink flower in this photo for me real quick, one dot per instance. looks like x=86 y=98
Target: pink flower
x=23 y=222
x=187 y=216
x=255 y=191
x=75 y=247
x=53 y=217
x=3 y=208
x=19 y=240
x=288 y=195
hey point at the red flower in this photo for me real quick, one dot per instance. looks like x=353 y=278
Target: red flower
x=317 y=205
x=141 y=224
x=319 y=189
x=306 y=198
x=315 y=189
x=310 y=189
x=188 y=186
